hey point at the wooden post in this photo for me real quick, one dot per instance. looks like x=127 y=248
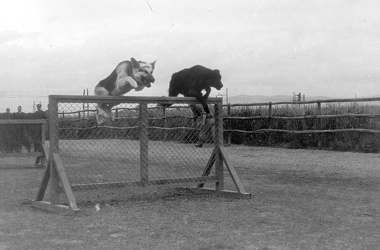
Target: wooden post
x=319 y=125
x=54 y=148
x=88 y=107
x=165 y=123
x=270 y=123
x=144 y=164
x=218 y=144
x=84 y=92
x=229 y=124
x=115 y=131
x=42 y=159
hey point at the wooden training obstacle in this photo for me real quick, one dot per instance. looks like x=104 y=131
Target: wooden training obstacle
x=56 y=179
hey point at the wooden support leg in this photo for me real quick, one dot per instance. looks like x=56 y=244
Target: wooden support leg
x=59 y=183
x=241 y=193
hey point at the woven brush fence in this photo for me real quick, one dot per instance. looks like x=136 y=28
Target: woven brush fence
x=337 y=124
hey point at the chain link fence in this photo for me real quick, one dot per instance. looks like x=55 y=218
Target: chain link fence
x=147 y=143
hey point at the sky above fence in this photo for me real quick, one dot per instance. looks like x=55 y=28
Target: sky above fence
x=261 y=47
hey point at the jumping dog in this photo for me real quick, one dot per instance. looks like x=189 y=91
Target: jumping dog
x=195 y=82
x=126 y=76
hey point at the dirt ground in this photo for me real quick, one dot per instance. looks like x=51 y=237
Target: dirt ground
x=301 y=199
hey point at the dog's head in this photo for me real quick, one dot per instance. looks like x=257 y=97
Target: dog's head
x=142 y=72
x=215 y=79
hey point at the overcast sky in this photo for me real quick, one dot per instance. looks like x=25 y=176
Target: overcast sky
x=262 y=47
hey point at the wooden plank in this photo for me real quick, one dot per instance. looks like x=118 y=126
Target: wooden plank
x=64 y=181
x=44 y=183
x=175 y=128
x=227 y=193
x=209 y=165
x=16 y=155
x=232 y=171
x=310 y=102
x=304 y=117
x=168 y=181
x=373 y=131
x=218 y=143
x=203 y=179
x=44 y=205
x=45 y=151
x=23 y=121
x=55 y=189
x=94 y=127
x=128 y=99
x=90 y=186
x=53 y=126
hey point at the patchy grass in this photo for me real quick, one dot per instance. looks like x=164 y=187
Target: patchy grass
x=301 y=199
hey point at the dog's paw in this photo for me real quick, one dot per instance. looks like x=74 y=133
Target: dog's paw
x=133 y=83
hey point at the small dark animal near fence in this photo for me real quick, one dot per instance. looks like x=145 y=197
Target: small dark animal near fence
x=311 y=121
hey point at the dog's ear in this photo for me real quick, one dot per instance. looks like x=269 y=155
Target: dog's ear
x=152 y=64
x=217 y=71
x=135 y=64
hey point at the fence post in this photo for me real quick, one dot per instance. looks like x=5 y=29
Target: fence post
x=270 y=123
x=115 y=132
x=144 y=165
x=55 y=189
x=319 y=125
x=165 y=123
x=229 y=124
x=219 y=143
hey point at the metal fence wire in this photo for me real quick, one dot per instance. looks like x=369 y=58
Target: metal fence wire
x=95 y=154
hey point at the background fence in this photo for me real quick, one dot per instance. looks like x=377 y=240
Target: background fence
x=338 y=124
x=334 y=124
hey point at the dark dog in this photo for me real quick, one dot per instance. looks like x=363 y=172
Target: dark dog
x=126 y=76
x=193 y=81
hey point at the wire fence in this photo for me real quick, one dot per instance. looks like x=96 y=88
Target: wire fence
x=146 y=143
